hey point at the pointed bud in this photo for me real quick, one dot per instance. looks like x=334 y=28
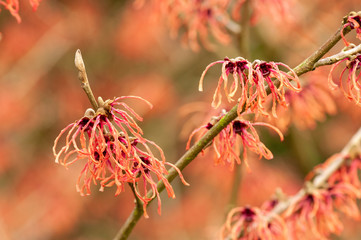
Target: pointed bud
x=79 y=63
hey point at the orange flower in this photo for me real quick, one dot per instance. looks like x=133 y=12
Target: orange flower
x=316 y=215
x=344 y=197
x=346 y=187
x=116 y=153
x=313 y=217
x=239 y=134
x=253 y=79
x=263 y=73
x=348 y=173
x=351 y=87
x=241 y=71
x=245 y=223
x=199 y=19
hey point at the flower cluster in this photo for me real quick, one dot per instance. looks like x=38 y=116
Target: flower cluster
x=199 y=19
x=13 y=7
x=314 y=215
x=246 y=223
x=353 y=20
x=111 y=142
x=317 y=214
x=350 y=86
x=239 y=134
x=252 y=79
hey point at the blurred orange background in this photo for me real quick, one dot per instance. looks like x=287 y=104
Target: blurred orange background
x=129 y=51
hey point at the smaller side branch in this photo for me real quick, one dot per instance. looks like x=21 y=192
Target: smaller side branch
x=338 y=57
x=79 y=64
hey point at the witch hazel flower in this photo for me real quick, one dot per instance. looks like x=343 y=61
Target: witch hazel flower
x=240 y=70
x=348 y=173
x=239 y=134
x=199 y=19
x=115 y=153
x=252 y=82
x=246 y=223
x=204 y=18
x=98 y=128
x=352 y=20
x=317 y=214
x=263 y=73
x=344 y=197
x=346 y=187
x=313 y=213
x=313 y=217
x=350 y=86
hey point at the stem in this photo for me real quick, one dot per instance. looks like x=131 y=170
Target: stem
x=138 y=203
x=339 y=56
x=306 y=66
x=128 y=226
x=198 y=147
x=137 y=212
x=83 y=77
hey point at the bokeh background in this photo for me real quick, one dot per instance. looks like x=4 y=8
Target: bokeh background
x=129 y=51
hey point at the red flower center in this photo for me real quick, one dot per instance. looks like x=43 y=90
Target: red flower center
x=357 y=19
x=230 y=67
x=248 y=214
x=238 y=127
x=265 y=69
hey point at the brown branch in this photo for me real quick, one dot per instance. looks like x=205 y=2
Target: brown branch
x=83 y=77
x=137 y=212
